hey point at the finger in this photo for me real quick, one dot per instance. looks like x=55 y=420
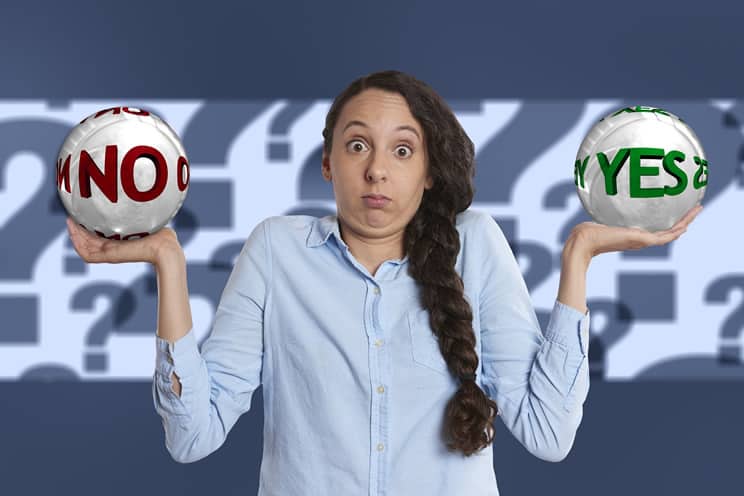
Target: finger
x=692 y=214
x=687 y=218
x=85 y=244
x=671 y=236
x=671 y=231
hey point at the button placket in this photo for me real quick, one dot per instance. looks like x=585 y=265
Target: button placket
x=379 y=401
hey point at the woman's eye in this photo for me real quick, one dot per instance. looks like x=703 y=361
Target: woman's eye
x=356 y=146
x=403 y=151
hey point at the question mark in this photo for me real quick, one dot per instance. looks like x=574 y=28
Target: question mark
x=31 y=228
x=502 y=160
x=730 y=344
x=207 y=138
x=729 y=359
x=278 y=148
x=618 y=322
x=557 y=197
x=122 y=302
x=132 y=308
x=313 y=188
x=506 y=156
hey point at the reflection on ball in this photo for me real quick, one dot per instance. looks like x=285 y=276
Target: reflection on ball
x=122 y=173
x=640 y=167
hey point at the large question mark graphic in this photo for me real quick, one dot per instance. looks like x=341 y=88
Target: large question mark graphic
x=313 y=190
x=279 y=149
x=207 y=139
x=133 y=308
x=32 y=227
x=535 y=128
x=122 y=302
x=728 y=363
x=730 y=344
x=501 y=161
x=618 y=322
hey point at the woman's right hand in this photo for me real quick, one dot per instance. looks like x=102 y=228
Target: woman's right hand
x=95 y=249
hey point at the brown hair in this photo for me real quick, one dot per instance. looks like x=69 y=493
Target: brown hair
x=432 y=244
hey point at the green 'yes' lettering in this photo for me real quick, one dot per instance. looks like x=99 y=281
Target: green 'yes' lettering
x=670 y=166
x=637 y=170
x=697 y=183
x=612 y=169
x=579 y=168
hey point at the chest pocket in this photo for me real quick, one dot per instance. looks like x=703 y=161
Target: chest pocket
x=424 y=344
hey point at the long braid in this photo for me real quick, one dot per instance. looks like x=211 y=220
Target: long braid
x=433 y=245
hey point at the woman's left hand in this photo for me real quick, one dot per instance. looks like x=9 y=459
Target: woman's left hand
x=598 y=238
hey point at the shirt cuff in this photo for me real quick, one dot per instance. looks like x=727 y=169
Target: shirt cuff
x=569 y=327
x=182 y=356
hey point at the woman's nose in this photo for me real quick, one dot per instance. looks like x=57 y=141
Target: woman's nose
x=376 y=170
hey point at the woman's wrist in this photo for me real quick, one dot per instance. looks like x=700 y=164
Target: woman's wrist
x=165 y=254
x=575 y=261
x=576 y=251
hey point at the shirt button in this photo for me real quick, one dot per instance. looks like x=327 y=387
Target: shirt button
x=380 y=389
x=380 y=447
x=378 y=342
x=377 y=291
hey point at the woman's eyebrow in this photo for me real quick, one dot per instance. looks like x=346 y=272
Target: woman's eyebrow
x=404 y=127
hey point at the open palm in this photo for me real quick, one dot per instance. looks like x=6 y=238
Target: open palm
x=600 y=238
x=95 y=249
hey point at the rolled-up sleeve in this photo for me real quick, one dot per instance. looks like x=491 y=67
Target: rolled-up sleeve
x=538 y=380
x=218 y=380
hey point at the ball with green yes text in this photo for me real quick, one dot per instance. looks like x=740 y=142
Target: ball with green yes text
x=640 y=167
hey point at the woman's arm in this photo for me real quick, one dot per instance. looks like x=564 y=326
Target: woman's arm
x=174 y=310
x=200 y=391
x=539 y=377
x=574 y=265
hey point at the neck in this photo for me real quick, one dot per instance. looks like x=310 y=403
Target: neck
x=372 y=251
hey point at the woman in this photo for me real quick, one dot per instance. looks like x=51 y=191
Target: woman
x=387 y=337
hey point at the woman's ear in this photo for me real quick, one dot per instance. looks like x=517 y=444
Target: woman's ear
x=325 y=167
x=429 y=182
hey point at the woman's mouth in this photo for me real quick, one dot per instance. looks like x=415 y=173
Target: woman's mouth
x=375 y=201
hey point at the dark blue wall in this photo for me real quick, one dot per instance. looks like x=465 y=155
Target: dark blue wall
x=636 y=438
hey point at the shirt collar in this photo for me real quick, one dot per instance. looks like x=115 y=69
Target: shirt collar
x=321 y=230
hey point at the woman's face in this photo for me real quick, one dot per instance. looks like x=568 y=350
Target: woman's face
x=378 y=148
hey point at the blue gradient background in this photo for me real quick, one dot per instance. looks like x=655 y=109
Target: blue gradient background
x=637 y=438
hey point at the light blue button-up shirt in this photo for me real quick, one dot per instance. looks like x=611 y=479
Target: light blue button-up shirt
x=354 y=384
